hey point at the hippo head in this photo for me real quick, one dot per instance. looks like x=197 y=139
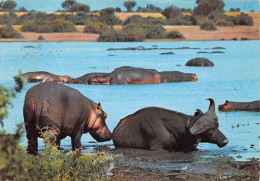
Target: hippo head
x=97 y=126
x=225 y=107
x=206 y=127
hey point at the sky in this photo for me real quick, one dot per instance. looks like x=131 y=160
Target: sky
x=54 y=5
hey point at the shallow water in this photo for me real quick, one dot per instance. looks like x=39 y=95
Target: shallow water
x=235 y=77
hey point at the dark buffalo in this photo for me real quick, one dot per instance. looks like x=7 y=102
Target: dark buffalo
x=200 y=62
x=63 y=109
x=157 y=128
x=240 y=106
x=42 y=76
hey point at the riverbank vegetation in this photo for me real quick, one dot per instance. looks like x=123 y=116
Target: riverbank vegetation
x=209 y=15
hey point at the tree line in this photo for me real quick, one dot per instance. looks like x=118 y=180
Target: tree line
x=208 y=14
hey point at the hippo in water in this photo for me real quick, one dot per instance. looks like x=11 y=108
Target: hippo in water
x=42 y=76
x=56 y=107
x=240 y=106
x=156 y=128
x=200 y=62
x=135 y=75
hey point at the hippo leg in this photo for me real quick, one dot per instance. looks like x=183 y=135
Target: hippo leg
x=32 y=143
x=75 y=140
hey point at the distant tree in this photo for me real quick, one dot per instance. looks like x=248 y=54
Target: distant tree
x=22 y=9
x=171 y=11
x=107 y=16
x=129 y=5
x=149 y=8
x=205 y=7
x=234 y=10
x=118 y=9
x=67 y=4
x=80 y=7
x=8 y=5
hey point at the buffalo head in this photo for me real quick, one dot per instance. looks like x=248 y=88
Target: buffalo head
x=206 y=127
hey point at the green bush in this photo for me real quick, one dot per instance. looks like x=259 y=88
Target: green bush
x=137 y=19
x=48 y=26
x=224 y=22
x=8 y=19
x=154 y=31
x=171 y=11
x=208 y=26
x=96 y=27
x=182 y=20
x=62 y=25
x=9 y=32
x=175 y=35
x=244 y=20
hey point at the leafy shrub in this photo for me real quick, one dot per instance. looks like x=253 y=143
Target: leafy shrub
x=48 y=26
x=154 y=31
x=182 y=20
x=223 y=22
x=9 y=32
x=8 y=19
x=137 y=19
x=171 y=11
x=208 y=26
x=175 y=35
x=244 y=20
x=95 y=27
x=62 y=25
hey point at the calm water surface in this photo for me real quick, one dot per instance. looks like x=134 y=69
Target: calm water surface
x=235 y=76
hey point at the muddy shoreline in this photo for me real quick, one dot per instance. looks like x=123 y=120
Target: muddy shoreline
x=163 y=165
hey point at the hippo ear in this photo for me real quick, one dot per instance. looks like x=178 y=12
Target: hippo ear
x=226 y=102
x=99 y=106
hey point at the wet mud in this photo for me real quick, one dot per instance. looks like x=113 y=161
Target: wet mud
x=163 y=165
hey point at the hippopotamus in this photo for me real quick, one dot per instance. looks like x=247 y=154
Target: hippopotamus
x=176 y=76
x=127 y=75
x=51 y=106
x=240 y=106
x=87 y=78
x=155 y=128
x=42 y=76
x=135 y=75
x=200 y=62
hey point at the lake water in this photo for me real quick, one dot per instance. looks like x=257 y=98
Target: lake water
x=235 y=77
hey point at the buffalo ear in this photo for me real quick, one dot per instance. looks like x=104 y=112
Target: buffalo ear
x=200 y=126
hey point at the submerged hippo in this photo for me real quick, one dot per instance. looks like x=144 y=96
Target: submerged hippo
x=176 y=76
x=156 y=128
x=64 y=110
x=42 y=76
x=200 y=62
x=135 y=75
x=240 y=106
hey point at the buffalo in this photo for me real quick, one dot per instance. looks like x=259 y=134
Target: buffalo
x=156 y=128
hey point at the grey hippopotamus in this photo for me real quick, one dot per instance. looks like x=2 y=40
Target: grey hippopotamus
x=156 y=128
x=253 y=106
x=58 y=107
x=42 y=76
x=135 y=75
x=200 y=62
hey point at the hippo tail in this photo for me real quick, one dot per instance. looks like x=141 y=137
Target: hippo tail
x=38 y=111
x=41 y=109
